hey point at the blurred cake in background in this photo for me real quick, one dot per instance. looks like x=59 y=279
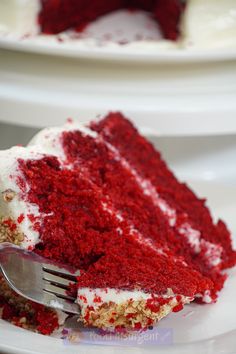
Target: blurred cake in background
x=191 y=24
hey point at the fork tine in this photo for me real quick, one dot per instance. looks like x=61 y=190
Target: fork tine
x=61 y=272
x=57 y=291
x=60 y=303
x=30 y=276
x=58 y=281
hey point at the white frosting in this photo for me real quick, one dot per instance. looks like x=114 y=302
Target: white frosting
x=49 y=138
x=8 y=180
x=193 y=236
x=212 y=251
x=209 y=23
x=19 y=17
x=86 y=296
x=206 y=297
x=107 y=295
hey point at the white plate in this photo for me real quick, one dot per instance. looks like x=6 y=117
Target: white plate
x=194 y=99
x=140 y=35
x=197 y=329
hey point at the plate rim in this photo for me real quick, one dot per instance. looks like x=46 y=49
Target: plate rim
x=210 y=345
x=114 y=54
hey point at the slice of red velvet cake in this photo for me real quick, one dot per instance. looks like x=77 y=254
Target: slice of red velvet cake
x=101 y=200
x=205 y=246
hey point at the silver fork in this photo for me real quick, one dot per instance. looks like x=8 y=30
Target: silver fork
x=38 y=279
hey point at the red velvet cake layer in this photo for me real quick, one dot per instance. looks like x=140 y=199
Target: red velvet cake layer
x=59 y=15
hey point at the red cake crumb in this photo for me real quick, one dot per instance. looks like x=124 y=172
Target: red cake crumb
x=24 y=313
x=9 y=223
x=153 y=305
x=137 y=326
x=97 y=299
x=130 y=315
x=81 y=297
x=178 y=308
x=20 y=218
x=47 y=322
x=58 y=16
